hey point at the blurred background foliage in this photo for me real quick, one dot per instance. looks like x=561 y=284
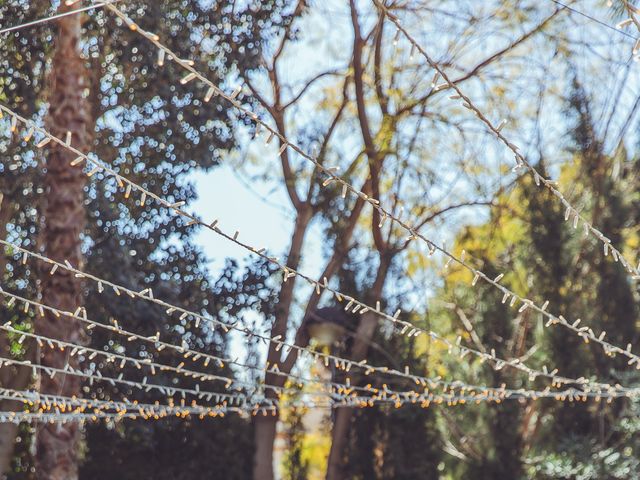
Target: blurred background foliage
x=552 y=78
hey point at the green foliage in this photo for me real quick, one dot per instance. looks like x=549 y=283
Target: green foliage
x=296 y=466
x=157 y=133
x=583 y=458
x=528 y=238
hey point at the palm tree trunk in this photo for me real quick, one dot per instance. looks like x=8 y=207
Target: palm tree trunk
x=64 y=221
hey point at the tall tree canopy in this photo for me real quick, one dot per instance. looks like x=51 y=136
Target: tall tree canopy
x=337 y=83
x=154 y=131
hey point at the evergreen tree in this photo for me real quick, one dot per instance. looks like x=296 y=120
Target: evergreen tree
x=156 y=132
x=581 y=282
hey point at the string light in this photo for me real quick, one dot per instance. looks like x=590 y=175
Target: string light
x=462 y=351
x=119 y=361
x=55 y=17
x=374 y=202
x=407 y=328
x=157 y=367
x=155 y=340
x=485 y=394
x=350 y=401
x=62 y=406
x=584 y=333
x=338 y=391
x=80 y=418
x=378 y=395
x=521 y=162
x=47 y=403
x=144 y=386
x=338 y=388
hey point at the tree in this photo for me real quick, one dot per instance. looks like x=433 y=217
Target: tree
x=372 y=109
x=64 y=220
x=528 y=238
x=390 y=159
x=605 y=302
x=159 y=137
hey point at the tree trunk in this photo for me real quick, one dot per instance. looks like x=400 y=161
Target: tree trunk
x=64 y=221
x=8 y=431
x=362 y=340
x=265 y=426
x=16 y=378
x=265 y=436
x=8 y=434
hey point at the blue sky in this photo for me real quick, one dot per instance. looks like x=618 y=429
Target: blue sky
x=260 y=209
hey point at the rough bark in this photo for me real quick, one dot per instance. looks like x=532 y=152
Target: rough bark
x=64 y=221
x=8 y=431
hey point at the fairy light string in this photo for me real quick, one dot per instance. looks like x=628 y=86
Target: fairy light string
x=63 y=404
x=379 y=396
x=351 y=303
x=584 y=332
x=407 y=328
x=573 y=393
x=340 y=389
x=48 y=402
x=144 y=386
x=101 y=409
x=120 y=361
x=154 y=340
x=339 y=362
x=376 y=205
x=147 y=295
x=111 y=418
x=337 y=391
x=616 y=28
x=571 y=213
x=521 y=162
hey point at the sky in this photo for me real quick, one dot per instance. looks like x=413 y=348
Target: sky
x=261 y=210
x=260 y=214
